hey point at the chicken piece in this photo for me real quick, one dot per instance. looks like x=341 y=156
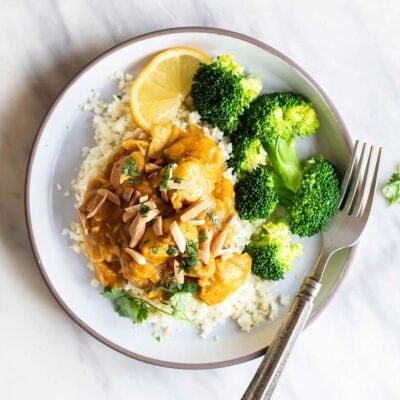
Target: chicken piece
x=141 y=276
x=204 y=272
x=200 y=147
x=229 y=275
x=223 y=200
x=197 y=175
x=106 y=275
x=154 y=248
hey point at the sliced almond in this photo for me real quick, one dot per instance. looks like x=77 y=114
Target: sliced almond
x=110 y=196
x=178 y=185
x=218 y=241
x=135 y=198
x=196 y=222
x=143 y=198
x=164 y=196
x=84 y=223
x=138 y=233
x=127 y=216
x=136 y=208
x=151 y=204
x=150 y=167
x=97 y=208
x=133 y=209
x=178 y=236
x=204 y=247
x=179 y=273
x=194 y=210
x=157 y=226
x=138 y=257
x=128 y=193
x=151 y=215
x=116 y=173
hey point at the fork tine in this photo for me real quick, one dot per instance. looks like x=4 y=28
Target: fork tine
x=368 y=205
x=358 y=203
x=349 y=171
x=355 y=182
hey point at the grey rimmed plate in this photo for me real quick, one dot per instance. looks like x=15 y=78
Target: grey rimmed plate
x=56 y=155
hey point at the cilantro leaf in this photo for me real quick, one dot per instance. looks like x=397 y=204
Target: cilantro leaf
x=132 y=308
x=392 y=189
x=126 y=305
x=113 y=293
x=179 y=302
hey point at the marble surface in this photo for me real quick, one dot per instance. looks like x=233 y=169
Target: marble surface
x=351 y=48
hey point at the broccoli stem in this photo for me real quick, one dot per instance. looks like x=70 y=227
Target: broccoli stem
x=283 y=157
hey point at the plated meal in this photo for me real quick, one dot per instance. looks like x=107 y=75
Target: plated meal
x=193 y=199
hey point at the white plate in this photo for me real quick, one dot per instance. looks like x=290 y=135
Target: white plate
x=56 y=155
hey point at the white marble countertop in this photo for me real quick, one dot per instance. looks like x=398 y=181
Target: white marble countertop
x=351 y=48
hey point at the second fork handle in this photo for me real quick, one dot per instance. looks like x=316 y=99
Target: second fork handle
x=269 y=371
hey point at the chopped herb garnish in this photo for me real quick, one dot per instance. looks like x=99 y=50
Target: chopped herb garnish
x=202 y=236
x=129 y=167
x=154 y=250
x=172 y=251
x=144 y=210
x=191 y=256
x=166 y=176
x=214 y=219
x=177 y=180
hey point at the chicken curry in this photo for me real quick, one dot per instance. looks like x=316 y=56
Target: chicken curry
x=162 y=213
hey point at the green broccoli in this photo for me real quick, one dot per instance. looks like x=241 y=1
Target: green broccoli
x=255 y=195
x=316 y=200
x=271 y=252
x=277 y=119
x=247 y=153
x=221 y=92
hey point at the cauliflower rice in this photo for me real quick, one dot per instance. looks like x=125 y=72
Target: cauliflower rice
x=252 y=303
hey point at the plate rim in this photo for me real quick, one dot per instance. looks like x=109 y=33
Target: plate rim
x=185 y=29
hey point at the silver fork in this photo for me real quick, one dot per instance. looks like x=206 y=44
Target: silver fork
x=358 y=189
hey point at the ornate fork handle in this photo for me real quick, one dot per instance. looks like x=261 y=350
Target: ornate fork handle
x=269 y=371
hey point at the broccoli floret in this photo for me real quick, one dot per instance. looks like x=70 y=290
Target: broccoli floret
x=247 y=153
x=316 y=200
x=271 y=252
x=255 y=195
x=277 y=119
x=221 y=92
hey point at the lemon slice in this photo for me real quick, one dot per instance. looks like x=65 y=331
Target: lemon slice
x=159 y=90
